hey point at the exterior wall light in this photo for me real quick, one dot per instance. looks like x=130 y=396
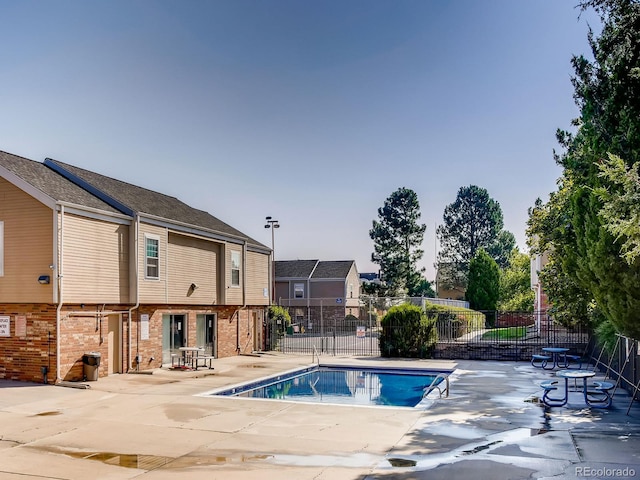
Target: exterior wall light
x=44 y=279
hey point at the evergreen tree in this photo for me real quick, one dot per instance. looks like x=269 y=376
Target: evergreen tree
x=397 y=238
x=472 y=222
x=607 y=92
x=483 y=289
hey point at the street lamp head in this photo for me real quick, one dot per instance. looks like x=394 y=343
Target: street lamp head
x=267 y=218
x=276 y=225
x=267 y=226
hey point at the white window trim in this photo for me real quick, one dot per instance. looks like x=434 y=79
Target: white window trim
x=1 y=248
x=239 y=269
x=157 y=239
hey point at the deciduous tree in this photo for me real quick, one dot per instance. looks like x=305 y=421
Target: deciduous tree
x=515 y=284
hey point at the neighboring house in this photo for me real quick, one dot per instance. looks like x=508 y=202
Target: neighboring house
x=449 y=283
x=89 y=263
x=317 y=290
x=540 y=300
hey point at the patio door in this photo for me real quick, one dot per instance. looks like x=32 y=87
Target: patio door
x=206 y=333
x=174 y=336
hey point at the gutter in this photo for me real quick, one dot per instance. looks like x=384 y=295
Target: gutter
x=244 y=295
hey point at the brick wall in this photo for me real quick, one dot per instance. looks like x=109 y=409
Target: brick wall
x=32 y=342
x=25 y=352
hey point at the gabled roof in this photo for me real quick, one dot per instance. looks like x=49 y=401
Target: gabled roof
x=61 y=182
x=333 y=269
x=50 y=183
x=312 y=269
x=294 y=268
x=143 y=201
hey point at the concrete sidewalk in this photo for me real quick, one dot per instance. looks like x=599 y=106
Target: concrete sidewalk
x=155 y=427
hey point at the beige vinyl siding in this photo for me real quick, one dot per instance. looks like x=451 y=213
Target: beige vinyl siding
x=234 y=293
x=28 y=247
x=152 y=291
x=192 y=260
x=257 y=278
x=353 y=279
x=95 y=260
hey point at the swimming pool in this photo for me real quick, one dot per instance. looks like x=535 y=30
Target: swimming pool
x=346 y=385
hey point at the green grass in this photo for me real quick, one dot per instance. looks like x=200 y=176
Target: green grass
x=509 y=333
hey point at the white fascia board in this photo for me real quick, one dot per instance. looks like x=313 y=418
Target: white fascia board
x=26 y=187
x=194 y=230
x=96 y=214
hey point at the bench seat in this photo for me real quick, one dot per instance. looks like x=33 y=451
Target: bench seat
x=205 y=361
x=540 y=361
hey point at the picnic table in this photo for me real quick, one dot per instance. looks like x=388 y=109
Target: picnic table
x=556 y=354
x=195 y=357
x=596 y=395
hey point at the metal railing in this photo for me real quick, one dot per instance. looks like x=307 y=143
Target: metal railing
x=460 y=334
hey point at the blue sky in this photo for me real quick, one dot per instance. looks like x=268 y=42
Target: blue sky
x=312 y=112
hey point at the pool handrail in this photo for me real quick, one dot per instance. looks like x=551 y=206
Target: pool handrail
x=315 y=354
x=435 y=385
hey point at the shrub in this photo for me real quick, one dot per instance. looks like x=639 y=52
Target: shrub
x=408 y=332
x=281 y=317
x=453 y=322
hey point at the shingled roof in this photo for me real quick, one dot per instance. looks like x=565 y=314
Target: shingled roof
x=294 y=268
x=144 y=201
x=50 y=183
x=313 y=269
x=333 y=269
x=67 y=183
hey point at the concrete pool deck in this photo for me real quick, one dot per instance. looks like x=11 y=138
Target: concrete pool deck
x=156 y=427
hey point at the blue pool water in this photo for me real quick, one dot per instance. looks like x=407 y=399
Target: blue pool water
x=344 y=385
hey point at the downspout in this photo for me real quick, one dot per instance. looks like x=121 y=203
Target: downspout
x=244 y=294
x=136 y=268
x=59 y=241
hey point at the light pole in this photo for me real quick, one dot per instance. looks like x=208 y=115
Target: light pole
x=272 y=224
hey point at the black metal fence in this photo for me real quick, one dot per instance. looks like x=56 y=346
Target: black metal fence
x=460 y=334
x=620 y=363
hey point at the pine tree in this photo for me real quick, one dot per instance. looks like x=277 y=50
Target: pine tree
x=397 y=238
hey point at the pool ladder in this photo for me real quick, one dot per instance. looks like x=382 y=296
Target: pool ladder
x=435 y=385
x=315 y=354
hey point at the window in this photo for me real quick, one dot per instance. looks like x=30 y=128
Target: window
x=235 y=269
x=1 y=248
x=151 y=257
x=298 y=290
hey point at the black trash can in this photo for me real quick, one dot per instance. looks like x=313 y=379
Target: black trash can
x=91 y=362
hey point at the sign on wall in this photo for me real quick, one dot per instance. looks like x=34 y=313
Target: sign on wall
x=5 y=326
x=144 y=327
x=21 y=326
